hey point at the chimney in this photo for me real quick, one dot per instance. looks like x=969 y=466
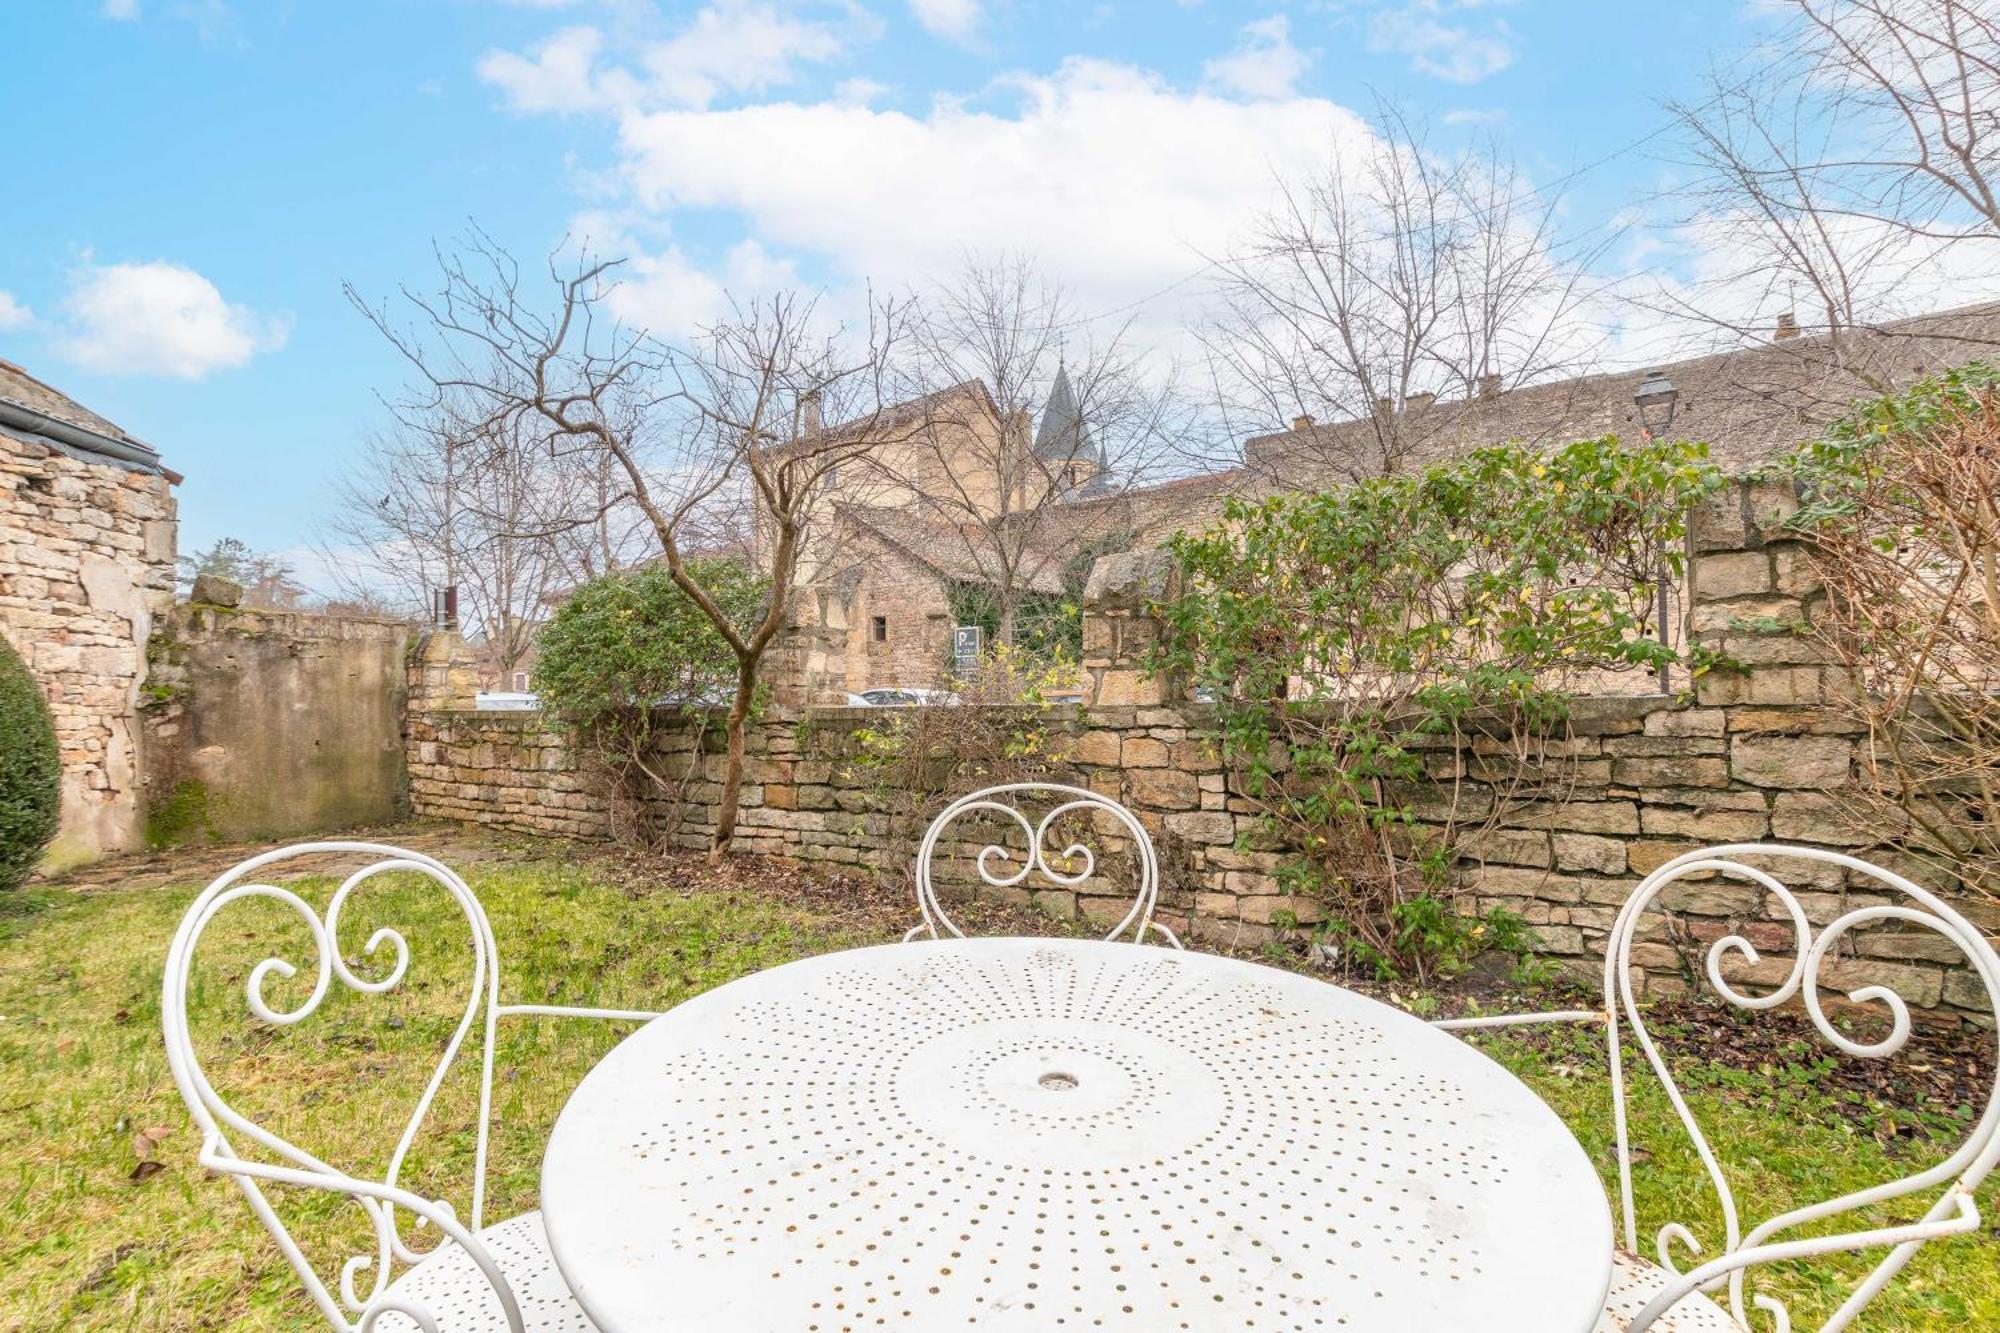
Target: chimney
x=1788 y=326
x=1489 y=388
x=1385 y=407
x=809 y=410
x=1303 y=422
x=1417 y=402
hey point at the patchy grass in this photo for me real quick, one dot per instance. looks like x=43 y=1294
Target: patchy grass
x=91 y=1239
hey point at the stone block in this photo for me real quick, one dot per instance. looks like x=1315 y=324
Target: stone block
x=1617 y=817
x=1265 y=908
x=1144 y=752
x=1662 y=771
x=1712 y=898
x=1964 y=990
x=1584 y=851
x=1645 y=857
x=1765 y=760
x=1098 y=747
x=1514 y=847
x=1703 y=825
x=1785 y=685
x=1794 y=572
x=1817 y=817
x=1203 y=826
x=1163 y=788
x=1727 y=574
x=1747 y=615
x=1922 y=987
x=1217 y=906
x=1128 y=581
x=1687 y=722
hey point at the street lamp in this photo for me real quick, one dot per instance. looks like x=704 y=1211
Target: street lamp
x=1656 y=398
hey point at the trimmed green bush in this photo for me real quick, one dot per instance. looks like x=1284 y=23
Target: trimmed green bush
x=30 y=770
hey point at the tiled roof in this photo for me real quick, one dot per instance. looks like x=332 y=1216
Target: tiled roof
x=1749 y=405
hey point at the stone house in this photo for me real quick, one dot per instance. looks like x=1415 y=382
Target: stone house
x=87 y=546
x=919 y=518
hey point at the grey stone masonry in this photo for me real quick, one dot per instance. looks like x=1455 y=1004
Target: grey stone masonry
x=1752 y=753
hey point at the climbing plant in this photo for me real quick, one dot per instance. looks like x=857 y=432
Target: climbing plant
x=1355 y=640
x=1902 y=526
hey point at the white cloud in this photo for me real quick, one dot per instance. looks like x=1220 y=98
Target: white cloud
x=1447 y=51
x=1264 y=64
x=13 y=315
x=122 y=10
x=160 y=318
x=1118 y=181
x=729 y=47
x=561 y=76
x=859 y=91
x=953 y=20
x=1496 y=115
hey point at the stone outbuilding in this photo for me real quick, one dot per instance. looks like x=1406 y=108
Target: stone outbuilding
x=87 y=547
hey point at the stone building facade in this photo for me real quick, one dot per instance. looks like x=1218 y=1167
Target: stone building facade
x=1760 y=753
x=87 y=547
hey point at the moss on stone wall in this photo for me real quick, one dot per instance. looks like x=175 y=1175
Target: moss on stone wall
x=181 y=817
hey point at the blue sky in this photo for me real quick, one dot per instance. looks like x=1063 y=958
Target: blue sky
x=191 y=181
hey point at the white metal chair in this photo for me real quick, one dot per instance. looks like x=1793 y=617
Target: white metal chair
x=1661 y=1296
x=1067 y=800
x=476 y=1276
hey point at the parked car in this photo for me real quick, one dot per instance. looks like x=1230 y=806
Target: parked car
x=499 y=701
x=893 y=697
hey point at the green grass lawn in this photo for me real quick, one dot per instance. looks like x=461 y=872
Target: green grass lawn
x=91 y=1240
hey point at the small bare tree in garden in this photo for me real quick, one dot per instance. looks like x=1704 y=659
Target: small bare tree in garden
x=1902 y=521
x=1399 y=288
x=721 y=436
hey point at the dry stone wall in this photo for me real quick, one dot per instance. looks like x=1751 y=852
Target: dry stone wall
x=1757 y=750
x=86 y=565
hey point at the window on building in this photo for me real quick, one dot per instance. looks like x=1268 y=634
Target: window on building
x=878 y=629
x=520 y=682
x=830 y=479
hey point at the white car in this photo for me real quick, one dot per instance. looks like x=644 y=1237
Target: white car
x=893 y=697
x=498 y=701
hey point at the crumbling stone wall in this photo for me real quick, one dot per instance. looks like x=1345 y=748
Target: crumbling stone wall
x=86 y=565
x=1757 y=751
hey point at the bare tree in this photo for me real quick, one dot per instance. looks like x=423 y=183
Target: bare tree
x=1395 y=290
x=1839 y=177
x=712 y=437
x=443 y=501
x=1030 y=430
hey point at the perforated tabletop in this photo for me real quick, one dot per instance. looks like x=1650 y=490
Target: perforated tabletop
x=1041 y=1134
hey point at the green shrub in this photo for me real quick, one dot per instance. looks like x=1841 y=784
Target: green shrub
x=628 y=649
x=1354 y=639
x=30 y=770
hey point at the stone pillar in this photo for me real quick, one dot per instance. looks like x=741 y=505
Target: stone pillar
x=807 y=662
x=444 y=674
x=1119 y=628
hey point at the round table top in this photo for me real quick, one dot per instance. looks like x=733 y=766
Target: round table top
x=1035 y=1134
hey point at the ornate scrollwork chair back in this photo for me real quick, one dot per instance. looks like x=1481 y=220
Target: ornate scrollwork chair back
x=369 y=1288
x=1665 y=1297
x=1001 y=866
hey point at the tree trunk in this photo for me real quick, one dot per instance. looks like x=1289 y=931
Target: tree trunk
x=732 y=772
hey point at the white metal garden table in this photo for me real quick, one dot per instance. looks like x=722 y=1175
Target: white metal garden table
x=1041 y=1134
